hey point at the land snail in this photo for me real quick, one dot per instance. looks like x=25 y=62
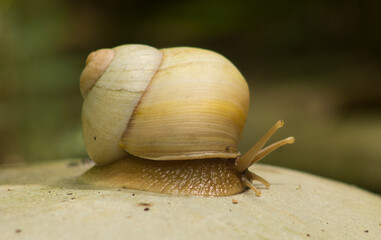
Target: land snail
x=168 y=121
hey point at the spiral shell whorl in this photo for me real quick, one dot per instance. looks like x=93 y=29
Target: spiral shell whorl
x=195 y=107
x=109 y=105
x=96 y=64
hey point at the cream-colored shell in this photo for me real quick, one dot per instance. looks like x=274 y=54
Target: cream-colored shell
x=168 y=104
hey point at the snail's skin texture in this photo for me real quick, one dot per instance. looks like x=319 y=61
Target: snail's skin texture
x=204 y=177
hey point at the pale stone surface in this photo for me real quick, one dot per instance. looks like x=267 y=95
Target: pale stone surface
x=45 y=202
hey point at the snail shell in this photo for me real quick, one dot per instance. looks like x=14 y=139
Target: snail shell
x=171 y=104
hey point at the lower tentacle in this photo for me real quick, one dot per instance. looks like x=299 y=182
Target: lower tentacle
x=254 y=177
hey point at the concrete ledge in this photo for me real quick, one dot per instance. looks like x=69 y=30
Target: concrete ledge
x=45 y=202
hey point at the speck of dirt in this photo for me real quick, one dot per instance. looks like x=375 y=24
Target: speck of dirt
x=133 y=194
x=18 y=230
x=366 y=231
x=69 y=193
x=9 y=190
x=146 y=209
x=298 y=187
x=234 y=201
x=308 y=235
x=72 y=198
x=144 y=204
x=227 y=148
x=95 y=138
x=49 y=191
x=72 y=164
x=119 y=190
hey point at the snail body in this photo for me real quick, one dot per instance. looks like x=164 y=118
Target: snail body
x=202 y=177
x=167 y=121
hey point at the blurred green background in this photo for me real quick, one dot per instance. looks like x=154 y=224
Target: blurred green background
x=315 y=64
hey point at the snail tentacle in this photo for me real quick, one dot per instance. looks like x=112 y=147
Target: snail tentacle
x=267 y=150
x=242 y=163
x=254 y=177
x=248 y=184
